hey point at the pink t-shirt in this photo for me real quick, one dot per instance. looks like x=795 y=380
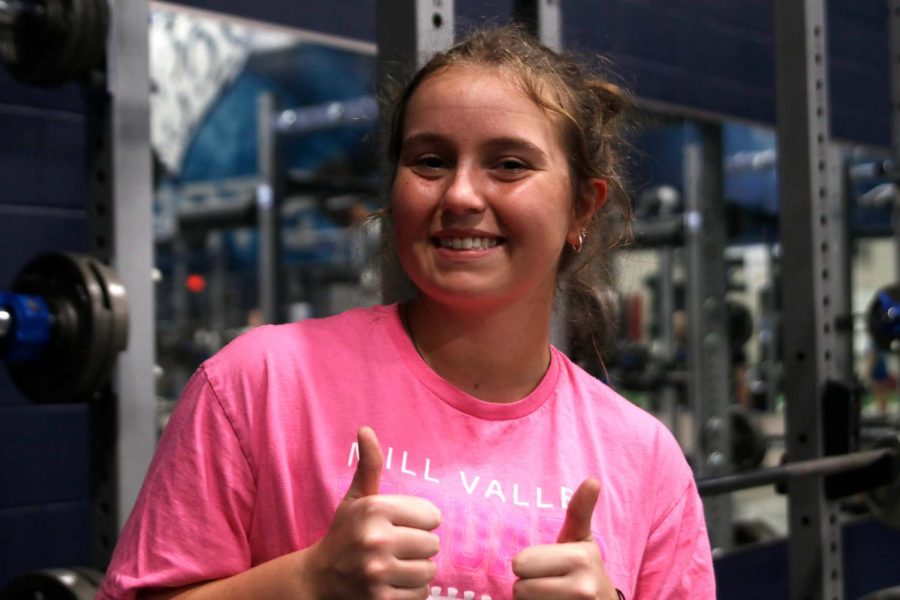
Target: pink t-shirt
x=262 y=447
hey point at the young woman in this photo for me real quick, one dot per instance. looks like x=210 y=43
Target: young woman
x=441 y=446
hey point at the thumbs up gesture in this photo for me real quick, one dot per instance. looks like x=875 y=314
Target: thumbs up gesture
x=377 y=546
x=572 y=567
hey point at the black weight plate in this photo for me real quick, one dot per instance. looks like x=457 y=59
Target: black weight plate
x=85 y=42
x=61 y=47
x=97 y=35
x=68 y=366
x=53 y=584
x=69 y=57
x=30 y=50
x=100 y=340
x=109 y=334
x=740 y=323
x=748 y=444
x=89 y=311
x=115 y=315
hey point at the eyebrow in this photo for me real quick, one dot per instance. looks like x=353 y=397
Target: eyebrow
x=515 y=143
x=422 y=138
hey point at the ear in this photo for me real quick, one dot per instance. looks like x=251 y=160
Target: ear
x=593 y=197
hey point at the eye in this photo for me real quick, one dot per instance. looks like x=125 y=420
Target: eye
x=429 y=165
x=431 y=162
x=511 y=167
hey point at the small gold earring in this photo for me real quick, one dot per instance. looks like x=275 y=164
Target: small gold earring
x=576 y=247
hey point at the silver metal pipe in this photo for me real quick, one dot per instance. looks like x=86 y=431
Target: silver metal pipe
x=822 y=466
x=321 y=117
x=5 y=323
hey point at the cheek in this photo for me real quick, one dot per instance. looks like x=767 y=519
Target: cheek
x=410 y=202
x=408 y=216
x=548 y=217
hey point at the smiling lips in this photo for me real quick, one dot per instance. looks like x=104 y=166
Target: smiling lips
x=466 y=243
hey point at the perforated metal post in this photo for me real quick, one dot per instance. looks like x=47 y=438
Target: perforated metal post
x=269 y=195
x=837 y=269
x=894 y=66
x=809 y=284
x=665 y=292
x=543 y=18
x=123 y=424
x=708 y=352
x=408 y=33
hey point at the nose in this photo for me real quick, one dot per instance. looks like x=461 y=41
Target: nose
x=463 y=194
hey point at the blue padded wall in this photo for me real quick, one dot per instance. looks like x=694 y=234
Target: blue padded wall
x=761 y=571
x=44 y=450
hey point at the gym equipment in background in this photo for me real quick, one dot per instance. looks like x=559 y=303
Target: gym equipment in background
x=54 y=584
x=52 y=42
x=62 y=326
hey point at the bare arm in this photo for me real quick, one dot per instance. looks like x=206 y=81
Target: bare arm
x=282 y=577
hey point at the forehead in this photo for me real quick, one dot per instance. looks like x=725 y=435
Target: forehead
x=488 y=97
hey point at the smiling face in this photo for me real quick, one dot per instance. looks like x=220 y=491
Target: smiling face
x=482 y=197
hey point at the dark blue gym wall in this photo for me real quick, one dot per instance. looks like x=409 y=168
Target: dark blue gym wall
x=713 y=55
x=44 y=450
x=710 y=55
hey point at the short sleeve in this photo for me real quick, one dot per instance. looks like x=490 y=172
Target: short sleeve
x=677 y=562
x=191 y=519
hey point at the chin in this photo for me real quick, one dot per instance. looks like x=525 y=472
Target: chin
x=466 y=296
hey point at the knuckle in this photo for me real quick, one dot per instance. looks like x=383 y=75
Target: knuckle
x=583 y=590
x=374 y=539
x=372 y=505
x=375 y=570
x=582 y=557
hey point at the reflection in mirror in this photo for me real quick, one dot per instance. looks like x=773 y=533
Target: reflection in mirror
x=264 y=172
x=651 y=365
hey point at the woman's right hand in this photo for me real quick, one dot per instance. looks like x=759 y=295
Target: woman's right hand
x=378 y=546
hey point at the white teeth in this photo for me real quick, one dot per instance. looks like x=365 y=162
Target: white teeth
x=467 y=243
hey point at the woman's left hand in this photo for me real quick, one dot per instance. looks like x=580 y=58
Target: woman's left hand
x=572 y=567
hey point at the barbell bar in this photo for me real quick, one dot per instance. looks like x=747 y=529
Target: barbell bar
x=881 y=466
x=829 y=465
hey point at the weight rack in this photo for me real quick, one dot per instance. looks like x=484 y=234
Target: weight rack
x=123 y=424
x=813 y=288
x=102 y=44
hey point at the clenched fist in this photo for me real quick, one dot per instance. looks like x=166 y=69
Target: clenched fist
x=377 y=546
x=572 y=568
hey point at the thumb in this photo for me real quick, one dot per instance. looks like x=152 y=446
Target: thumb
x=577 y=526
x=367 y=478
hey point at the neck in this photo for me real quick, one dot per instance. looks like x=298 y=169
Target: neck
x=496 y=356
